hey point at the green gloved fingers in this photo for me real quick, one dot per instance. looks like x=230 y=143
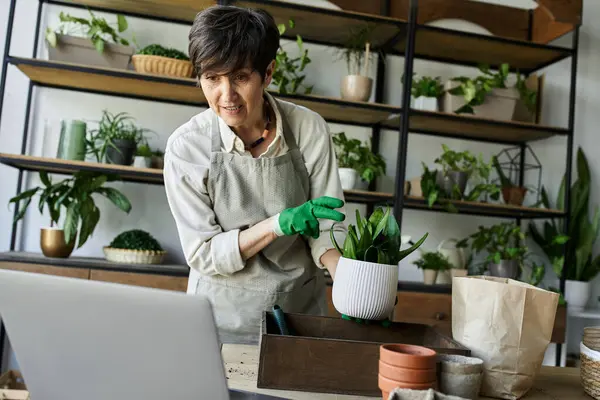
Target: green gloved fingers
x=303 y=219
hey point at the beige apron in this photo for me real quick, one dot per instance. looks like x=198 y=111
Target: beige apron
x=245 y=191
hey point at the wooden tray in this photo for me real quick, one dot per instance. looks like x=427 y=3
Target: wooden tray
x=332 y=355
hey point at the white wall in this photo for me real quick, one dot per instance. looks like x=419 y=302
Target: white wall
x=149 y=202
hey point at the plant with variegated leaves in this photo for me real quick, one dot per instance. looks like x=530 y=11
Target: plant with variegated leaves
x=376 y=239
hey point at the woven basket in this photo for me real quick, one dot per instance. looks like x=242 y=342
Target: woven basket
x=158 y=65
x=126 y=256
x=590 y=371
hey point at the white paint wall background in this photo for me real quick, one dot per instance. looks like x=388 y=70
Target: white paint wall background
x=150 y=209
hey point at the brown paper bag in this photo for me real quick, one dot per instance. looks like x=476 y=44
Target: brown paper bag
x=506 y=323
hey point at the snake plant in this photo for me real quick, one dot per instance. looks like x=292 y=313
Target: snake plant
x=376 y=239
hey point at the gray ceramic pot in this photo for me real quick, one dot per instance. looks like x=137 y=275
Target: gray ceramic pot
x=123 y=154
x=452 y=177
x=506 y=269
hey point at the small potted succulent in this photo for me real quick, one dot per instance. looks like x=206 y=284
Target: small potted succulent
x=432 y=262
x=90 y=41
x=159 y=60
x=358 y=166
x=426 y=93
x=366 y=278
x=134 y=246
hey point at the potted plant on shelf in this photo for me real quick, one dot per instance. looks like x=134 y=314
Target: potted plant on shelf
x=358 y=166
x=116 y=139
x=143 y=156
x=583 y=265
x=157 y=160
x=489 y=96
x=159 y=60
x=90 y=41
x=288 y=77
x=366 y=278
x=75 y=196
x=456 y=170
x=426 y=93
x=432 y=262
x=134 y=246
x=357 y=85
x=511 y=193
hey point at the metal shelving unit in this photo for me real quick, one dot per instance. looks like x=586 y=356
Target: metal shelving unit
x=393 y=36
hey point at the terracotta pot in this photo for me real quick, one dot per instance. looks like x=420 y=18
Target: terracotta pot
x=406 y=374
x=387 y=385
x=408 y=356
x=52 y=243
x=514 y=195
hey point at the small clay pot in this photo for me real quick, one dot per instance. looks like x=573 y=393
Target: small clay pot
x=406 y=374
x=514 y=195
x=408 y=356
x=387 y=385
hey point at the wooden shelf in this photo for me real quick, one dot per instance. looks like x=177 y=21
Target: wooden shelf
x=467 y=126
x=131 y=84
x=485 y=209
x=464 y=48
x=155 y=176
x=317 y=25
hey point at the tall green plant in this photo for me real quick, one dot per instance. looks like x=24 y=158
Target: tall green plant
x=75 y=196
x=582 y=233
x=376 y=239
x=288 y=75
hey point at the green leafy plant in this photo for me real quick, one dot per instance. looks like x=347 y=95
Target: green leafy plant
x=354 y=50
x=97 y=29
x=112 y=127
x=582 y=233
x=451 y=160
x=135 y=239
x=158 y=50
x=433 y=260
x=351 y=153
x=475 y=90
x=143 y=151
x=288 y=77
x=75 y=196
x=500 y=242
x=528 y=96
x=376 y=239
x=427 y=86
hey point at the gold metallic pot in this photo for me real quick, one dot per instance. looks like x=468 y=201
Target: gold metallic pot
x=52 y=242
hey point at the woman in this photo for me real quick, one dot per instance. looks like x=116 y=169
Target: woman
x=252 y=181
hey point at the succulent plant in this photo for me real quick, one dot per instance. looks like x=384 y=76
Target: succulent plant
x=135 y=239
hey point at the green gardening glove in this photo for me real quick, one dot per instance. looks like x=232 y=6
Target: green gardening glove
x=303 y=219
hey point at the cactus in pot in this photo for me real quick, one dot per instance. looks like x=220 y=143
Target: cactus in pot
x=366 y=277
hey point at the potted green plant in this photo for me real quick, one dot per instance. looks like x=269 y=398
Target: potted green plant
x=583 y=265
x=157 y=160
x=511 y=193
x=457 y=167
x=357 y=85
x=505 y=248
x=488 y=95
x=143 y=156
x=432 y=262
x=134 y=246
x=287 y=76
x=116 y=138
x=91 y=41
x=75 y=196
x=366 y=278
x=426 y=93
x=159 y=60
x=358 y=166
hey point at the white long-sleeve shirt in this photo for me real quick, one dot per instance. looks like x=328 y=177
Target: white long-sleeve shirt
x=207 y=248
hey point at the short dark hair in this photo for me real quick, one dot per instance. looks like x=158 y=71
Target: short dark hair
x=228 y=38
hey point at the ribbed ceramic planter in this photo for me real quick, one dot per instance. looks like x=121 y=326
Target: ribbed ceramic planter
x=365 y=290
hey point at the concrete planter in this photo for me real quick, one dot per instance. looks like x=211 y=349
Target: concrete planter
x=78 y=50
x=505 y=269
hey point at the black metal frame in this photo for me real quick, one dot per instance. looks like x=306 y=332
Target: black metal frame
x=407 y=30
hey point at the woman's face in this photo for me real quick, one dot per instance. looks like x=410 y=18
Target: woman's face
x=236 y=97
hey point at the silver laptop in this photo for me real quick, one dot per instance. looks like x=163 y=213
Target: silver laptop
x=80 y=339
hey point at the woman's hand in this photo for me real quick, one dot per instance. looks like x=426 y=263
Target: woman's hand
x=330 y=260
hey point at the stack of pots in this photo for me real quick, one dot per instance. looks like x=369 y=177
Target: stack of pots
x=407 y=367
x=460 y=376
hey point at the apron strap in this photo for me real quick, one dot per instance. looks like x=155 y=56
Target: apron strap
x=215 y=134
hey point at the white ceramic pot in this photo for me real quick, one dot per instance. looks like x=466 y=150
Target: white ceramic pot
x=425 y=103
x=365 y=290
x=577 y=294
x=429 y=276
x=356 y=87
x=348 y=177
x=443 y=278
x=142 y=162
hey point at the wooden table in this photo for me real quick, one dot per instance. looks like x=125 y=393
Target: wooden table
x=241 y=366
